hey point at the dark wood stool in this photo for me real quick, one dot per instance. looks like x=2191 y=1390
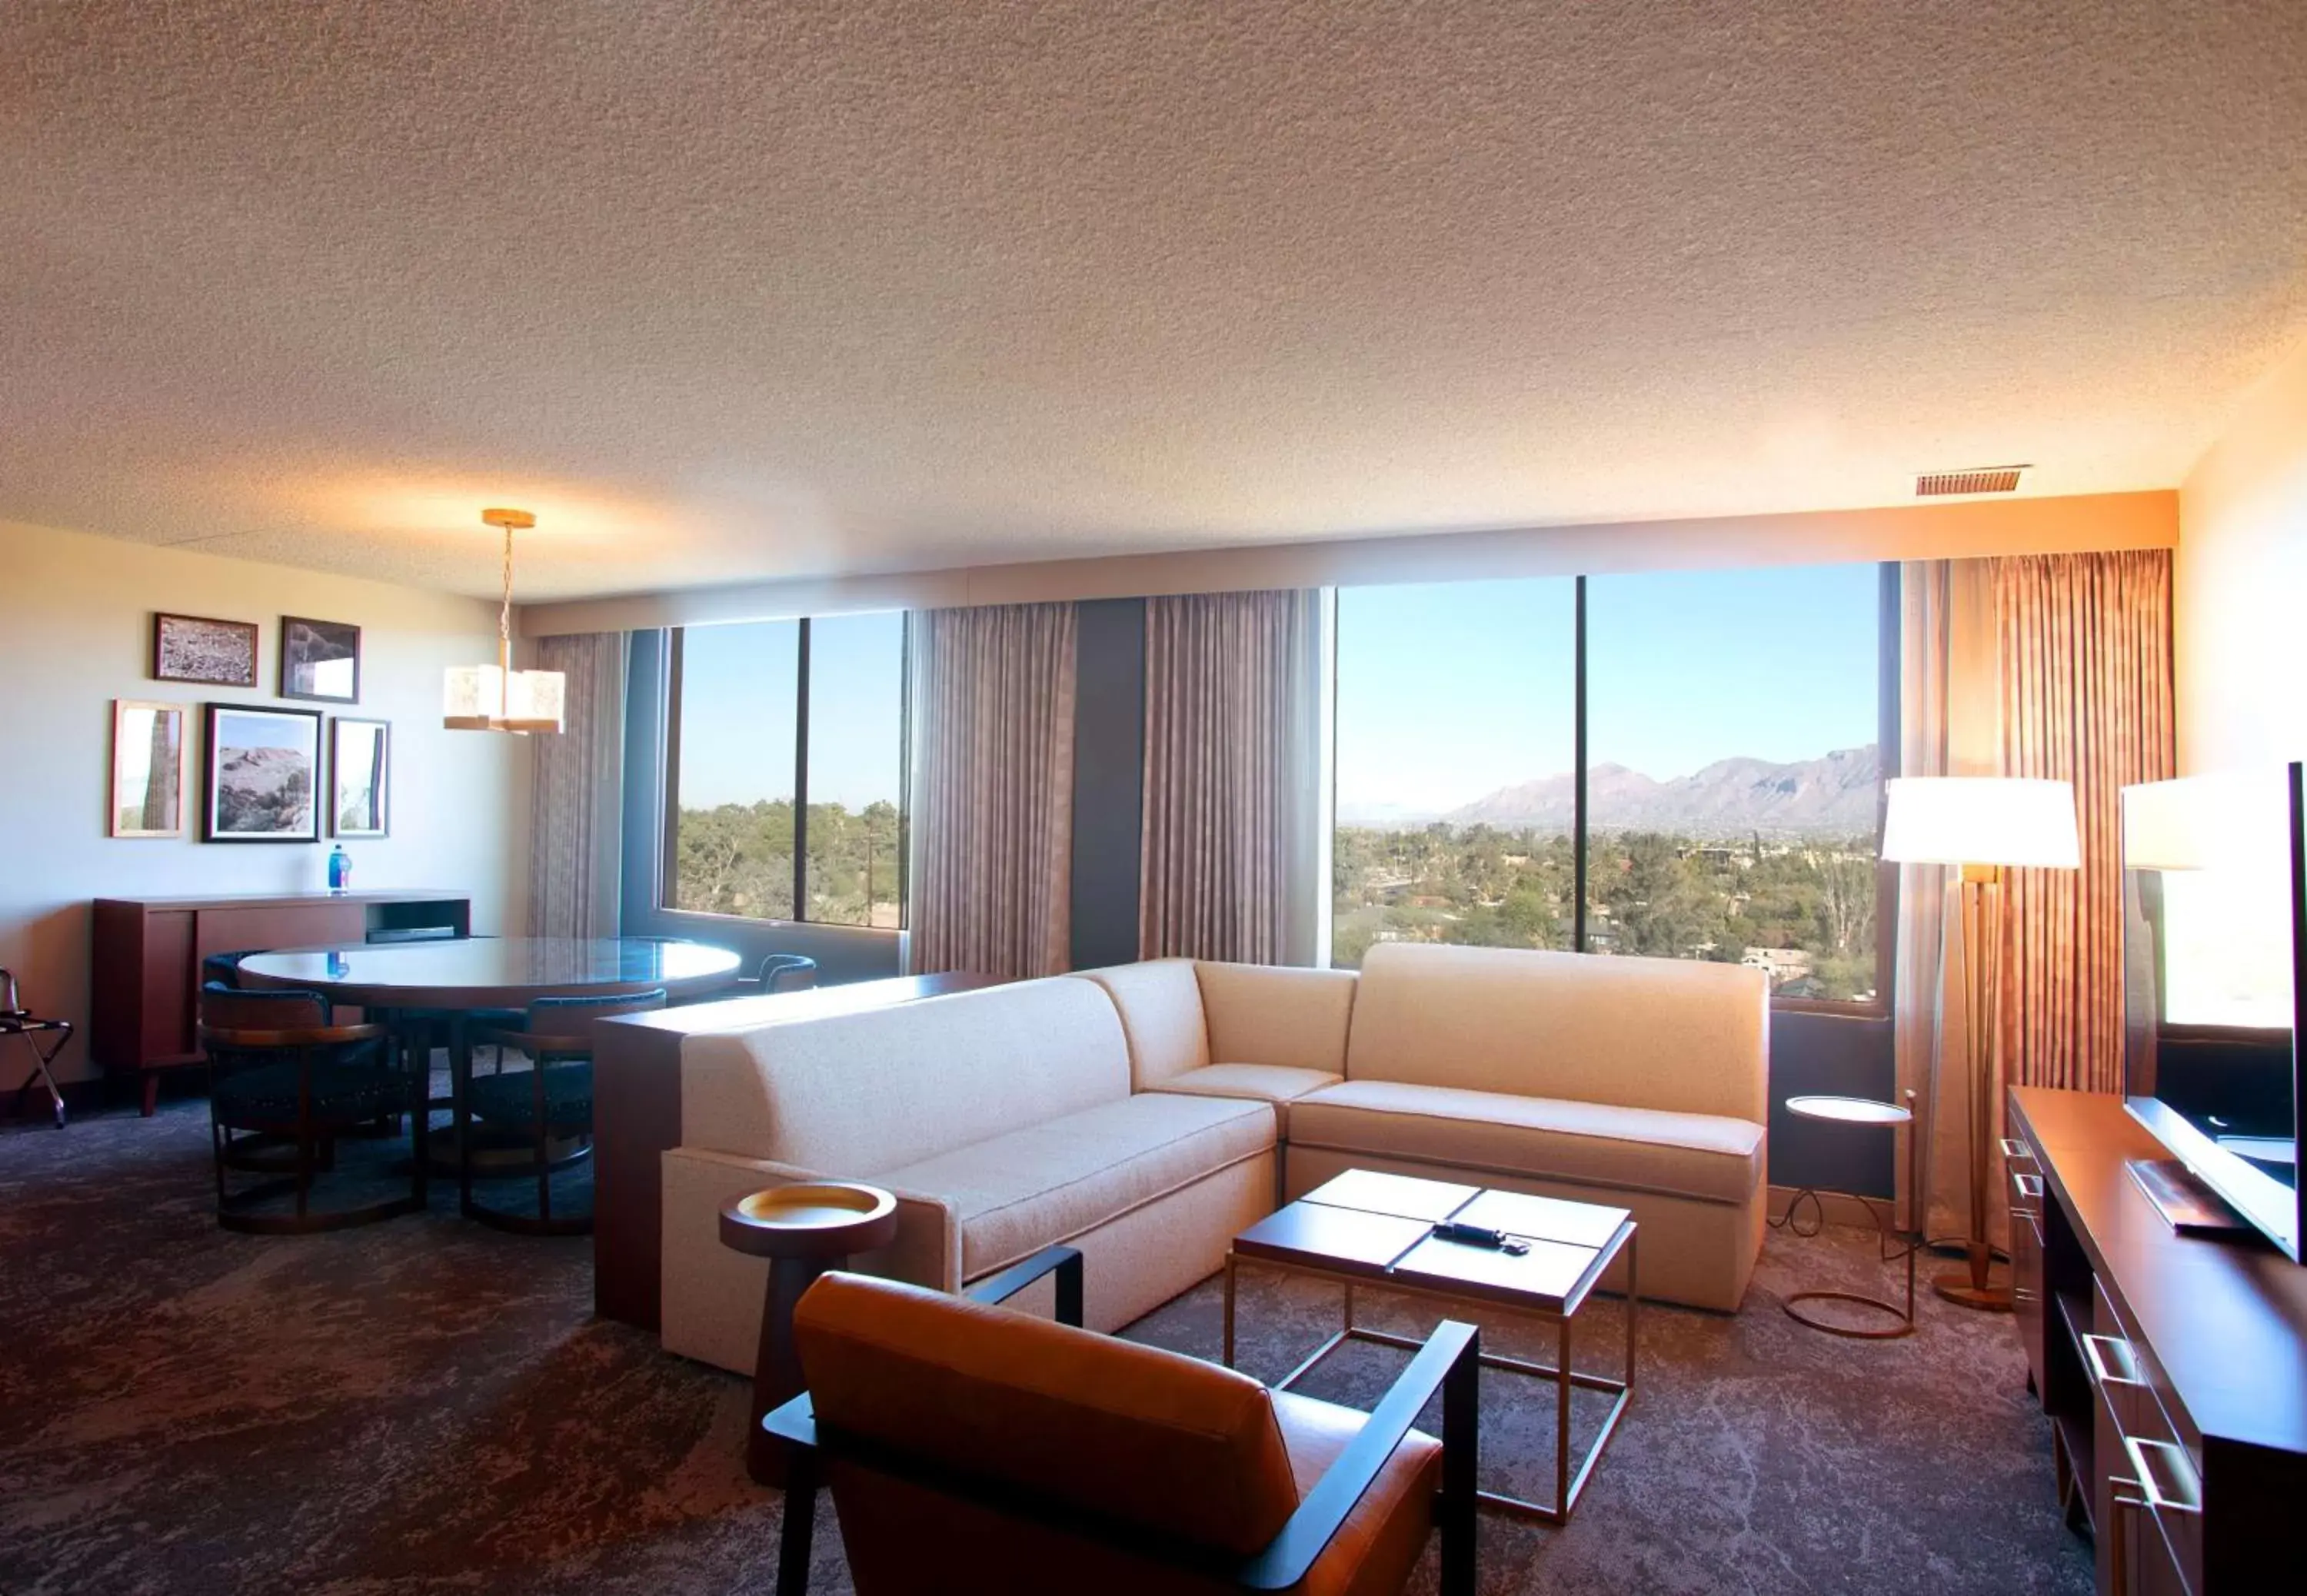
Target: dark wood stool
x=803 y=1230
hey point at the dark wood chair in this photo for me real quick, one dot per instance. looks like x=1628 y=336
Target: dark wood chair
x=285 y=1083
x=968 y=1446
x=786 y=972
x=45 y=1037
x=549 y=1102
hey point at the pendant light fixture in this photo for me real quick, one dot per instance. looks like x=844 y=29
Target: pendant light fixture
x=497 y=697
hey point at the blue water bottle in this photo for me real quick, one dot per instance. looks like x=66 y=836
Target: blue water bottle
x=341 y=870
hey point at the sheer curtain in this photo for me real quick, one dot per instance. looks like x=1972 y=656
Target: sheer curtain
x=992 y=712
x=1229 y=862
x=2087 y=698
x=577 y=792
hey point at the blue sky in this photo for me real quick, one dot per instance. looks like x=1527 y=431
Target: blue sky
x=1449 y=691
x=1446 y=691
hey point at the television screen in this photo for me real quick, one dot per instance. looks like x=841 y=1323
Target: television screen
x=2213 y=892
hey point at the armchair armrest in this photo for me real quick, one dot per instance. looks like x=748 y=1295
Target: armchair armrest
x=1066 y=1261
x=1450 y=1362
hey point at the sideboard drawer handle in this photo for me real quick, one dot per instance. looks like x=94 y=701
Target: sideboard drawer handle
x=2030 y=1186
x=2014 y=1148
x=2109 y=1354
x=2184 y=1493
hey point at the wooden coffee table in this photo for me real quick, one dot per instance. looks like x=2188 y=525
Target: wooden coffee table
x=1368 y=1228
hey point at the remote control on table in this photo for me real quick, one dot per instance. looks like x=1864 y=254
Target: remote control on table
x=1478 y=1235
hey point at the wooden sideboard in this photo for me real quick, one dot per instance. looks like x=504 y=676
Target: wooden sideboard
x=2173 y=1368
x=144 y=971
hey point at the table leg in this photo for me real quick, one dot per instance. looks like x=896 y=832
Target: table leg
x=1561 y=1417
x=461 y=1076
x=776 y=1364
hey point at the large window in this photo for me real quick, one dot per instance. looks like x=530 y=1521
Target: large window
x=1456 y=720
x=787 y=771
x=1728 y=801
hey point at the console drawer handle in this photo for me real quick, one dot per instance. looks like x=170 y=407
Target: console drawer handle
x=2014 y=1148
x=2108 y=1354
x=2029 y=1185
x=2184 y=1493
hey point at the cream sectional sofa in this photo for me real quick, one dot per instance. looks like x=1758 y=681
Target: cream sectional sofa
x=1147 y=1113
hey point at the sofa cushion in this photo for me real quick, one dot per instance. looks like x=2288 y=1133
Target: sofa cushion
x=1269 y=1083
x=1277 y=1015
x=847 y=1093
x=1709 y=1157
x=1672 y=1034
x=1161 y=1007
x=1029 y=1188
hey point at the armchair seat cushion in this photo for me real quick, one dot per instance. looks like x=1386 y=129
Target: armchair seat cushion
x=509 y=1096
x=1268 y=1083
x=1019 y=1192
x=1710 y=1157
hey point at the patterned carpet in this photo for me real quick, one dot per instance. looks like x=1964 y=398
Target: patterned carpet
x=427 y=1405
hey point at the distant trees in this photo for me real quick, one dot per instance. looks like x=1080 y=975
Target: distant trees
x=738 y=859
x=1804 y=909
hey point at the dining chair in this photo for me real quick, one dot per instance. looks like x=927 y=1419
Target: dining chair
x=786 y=972
x=969 y=1447
x=548 y=1103
x=284 y=1084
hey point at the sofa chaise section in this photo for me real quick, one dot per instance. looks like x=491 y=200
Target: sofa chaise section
x=1003 y=1120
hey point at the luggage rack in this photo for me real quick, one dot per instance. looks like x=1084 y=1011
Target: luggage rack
x=45 y=1037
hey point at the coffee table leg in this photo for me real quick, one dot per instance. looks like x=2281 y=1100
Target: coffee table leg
x=777 y=1365
x=1227 y=1359
x=1561 y=1417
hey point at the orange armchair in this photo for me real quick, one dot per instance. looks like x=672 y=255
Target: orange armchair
x=971 y=1447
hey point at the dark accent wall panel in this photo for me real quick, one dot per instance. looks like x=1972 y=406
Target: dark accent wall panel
x=1109 y=780
x=1838 y=1054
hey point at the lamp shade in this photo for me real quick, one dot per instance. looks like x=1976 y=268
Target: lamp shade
x=1981 y=820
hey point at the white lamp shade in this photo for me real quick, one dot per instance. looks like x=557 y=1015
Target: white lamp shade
x=488 y=698
x=1981 y=820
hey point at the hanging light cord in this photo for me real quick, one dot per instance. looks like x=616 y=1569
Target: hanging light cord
x=504 y=613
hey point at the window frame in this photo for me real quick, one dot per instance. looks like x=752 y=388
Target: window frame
x=1887 y=668
x=668 y=871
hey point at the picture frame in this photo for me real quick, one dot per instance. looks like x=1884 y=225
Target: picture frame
x=360 y=777
x=201 y=649
x=146 y=789
x=320 y=659
x=262 y=774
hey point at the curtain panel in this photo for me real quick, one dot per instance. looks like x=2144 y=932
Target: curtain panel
x=1230 y=847
x=992 y=712
x=577 y=792
x=2087 y=698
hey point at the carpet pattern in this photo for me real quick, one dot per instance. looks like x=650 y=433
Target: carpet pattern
x=428 y=1407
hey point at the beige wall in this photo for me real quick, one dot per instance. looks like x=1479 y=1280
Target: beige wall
x=2240 y=596
x=1959 y=530
x=75 y=633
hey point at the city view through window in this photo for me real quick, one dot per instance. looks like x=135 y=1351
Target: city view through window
x=742 y=760
x=1732 y=808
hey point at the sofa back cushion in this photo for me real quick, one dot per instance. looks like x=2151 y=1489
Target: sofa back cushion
x=847 y=1093
x=1277 y=1015
x=1169 y=1445
x=1161 y=1006
x=1671 y=1034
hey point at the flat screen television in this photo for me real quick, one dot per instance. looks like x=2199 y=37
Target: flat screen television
x=2214 y=983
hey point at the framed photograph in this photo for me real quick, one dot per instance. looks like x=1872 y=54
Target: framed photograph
x=263 y=775
x=360 y=777
x=320 y=659
x=217 y=654
x=148 y=769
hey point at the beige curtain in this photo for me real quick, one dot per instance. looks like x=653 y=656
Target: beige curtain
x=2087 y=698
x=992 y=712
x=1231 y=848
x=577 y=792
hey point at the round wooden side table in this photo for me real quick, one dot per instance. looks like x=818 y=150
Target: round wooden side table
x=1895 y=1244
x=803 y=1230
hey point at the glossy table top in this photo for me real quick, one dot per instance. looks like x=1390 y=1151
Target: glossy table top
x=493 y=971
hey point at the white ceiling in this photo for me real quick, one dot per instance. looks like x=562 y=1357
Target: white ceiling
x=726 y=291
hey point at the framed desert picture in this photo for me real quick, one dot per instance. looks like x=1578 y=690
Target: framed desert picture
x=263 y=775
x=148 y=769
x=320 y=659
x=217 y=653
x=360 y=777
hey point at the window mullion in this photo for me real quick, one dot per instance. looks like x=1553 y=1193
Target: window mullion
x=801 y=777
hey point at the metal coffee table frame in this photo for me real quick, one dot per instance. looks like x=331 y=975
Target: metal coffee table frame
x=1568 y=1486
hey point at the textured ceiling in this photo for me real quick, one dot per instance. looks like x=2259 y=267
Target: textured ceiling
x=731 y=290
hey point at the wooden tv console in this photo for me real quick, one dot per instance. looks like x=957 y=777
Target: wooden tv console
x=2173 y=1368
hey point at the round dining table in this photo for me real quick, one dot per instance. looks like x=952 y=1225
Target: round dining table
x=429 y=993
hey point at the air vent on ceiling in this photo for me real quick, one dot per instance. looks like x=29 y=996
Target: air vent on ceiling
x=1978 y=478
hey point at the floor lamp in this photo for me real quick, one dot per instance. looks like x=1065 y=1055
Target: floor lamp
x=1984 y=824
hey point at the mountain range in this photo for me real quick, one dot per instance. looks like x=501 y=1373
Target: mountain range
x=1833 y=794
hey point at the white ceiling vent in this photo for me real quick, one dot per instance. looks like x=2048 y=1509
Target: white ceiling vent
x=1977 y=479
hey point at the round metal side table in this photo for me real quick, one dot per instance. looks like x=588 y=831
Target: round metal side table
x=1896 y=1245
